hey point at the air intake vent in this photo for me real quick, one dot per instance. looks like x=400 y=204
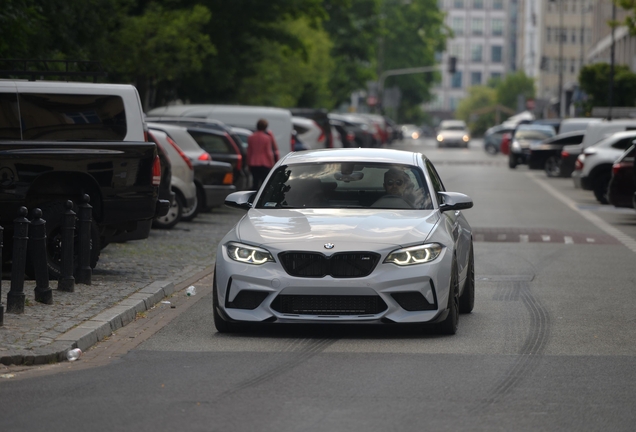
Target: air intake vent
x=328 y=305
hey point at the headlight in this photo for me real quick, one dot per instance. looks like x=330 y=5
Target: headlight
x=248 y=254
x=415 y=135
x=440 y=137
x=466 y=138
x=515 y=145
x=415 y=254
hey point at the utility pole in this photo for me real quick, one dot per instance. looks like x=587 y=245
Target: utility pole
x=611 y=80
x=561 y=104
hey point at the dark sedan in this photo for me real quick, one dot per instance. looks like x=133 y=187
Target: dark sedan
x=622 y=185
x=547 y=155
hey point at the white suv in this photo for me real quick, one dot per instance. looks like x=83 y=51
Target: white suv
x=593 y=170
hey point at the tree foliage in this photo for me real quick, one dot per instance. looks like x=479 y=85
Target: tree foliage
x=311 y=53
x=594 y=80
x=471 y=107
x=510 y=88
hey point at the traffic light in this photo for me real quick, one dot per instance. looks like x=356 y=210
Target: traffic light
x=452 y=64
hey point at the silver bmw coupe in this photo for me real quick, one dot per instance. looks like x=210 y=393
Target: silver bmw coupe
x=347 y=236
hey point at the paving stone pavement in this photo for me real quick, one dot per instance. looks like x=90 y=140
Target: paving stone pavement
x=130 y=278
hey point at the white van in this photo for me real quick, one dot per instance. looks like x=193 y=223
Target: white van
x=596 y=131
x=279 y=119
x=576 y=123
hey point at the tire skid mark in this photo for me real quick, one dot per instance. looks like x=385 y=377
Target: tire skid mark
x=530 y=354
x=305 y=351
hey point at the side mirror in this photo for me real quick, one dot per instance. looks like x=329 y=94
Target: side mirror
x=242 y=199
x=455 y=201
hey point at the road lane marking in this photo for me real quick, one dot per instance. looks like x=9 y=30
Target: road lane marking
x=524 y=238
x=626 y=240
x=590 y=240
x=568 y=240
x=545 y=238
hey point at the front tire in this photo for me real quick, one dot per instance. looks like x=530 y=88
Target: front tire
x=512 y=161
x=600 y=188
x=172 y=217
x=189 y=213
x=450 y=324
x=467 y=299
x=552 y=167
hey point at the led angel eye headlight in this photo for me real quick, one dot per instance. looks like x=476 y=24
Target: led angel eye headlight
x=415 y=255
x=248 y=254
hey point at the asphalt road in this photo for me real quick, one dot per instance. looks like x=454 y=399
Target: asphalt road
x=549 y=346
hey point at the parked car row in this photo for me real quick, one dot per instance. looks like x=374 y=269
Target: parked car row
x=597 y=154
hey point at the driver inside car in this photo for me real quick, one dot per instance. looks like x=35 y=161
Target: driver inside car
x=398 y=183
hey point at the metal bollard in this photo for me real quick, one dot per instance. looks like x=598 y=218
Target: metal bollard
x=67 y=281
x=16 y=297
x=1 y=305
x=84 y=271
x=37 y=244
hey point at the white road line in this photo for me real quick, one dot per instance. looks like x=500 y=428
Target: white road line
x=626 y=240
x=568 y=240
x=590 y=240
x=524 y=238
x=501 y=236
x=545 y=238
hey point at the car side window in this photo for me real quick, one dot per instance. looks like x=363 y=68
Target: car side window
x=65 y=117
x=623 y=144
x=9 y=118
x=438 y=186
x=212 y=143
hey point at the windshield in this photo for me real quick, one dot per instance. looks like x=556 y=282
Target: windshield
x=534 y=134
x=346 y=185
x=453 y=128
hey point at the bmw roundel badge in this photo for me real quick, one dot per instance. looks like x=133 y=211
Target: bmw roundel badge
x=329 y=245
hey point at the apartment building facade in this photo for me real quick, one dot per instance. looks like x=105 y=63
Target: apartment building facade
x=481 y=45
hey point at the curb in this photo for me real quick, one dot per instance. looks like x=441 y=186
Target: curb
x=102 y=325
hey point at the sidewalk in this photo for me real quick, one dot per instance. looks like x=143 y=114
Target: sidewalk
x=129 y=279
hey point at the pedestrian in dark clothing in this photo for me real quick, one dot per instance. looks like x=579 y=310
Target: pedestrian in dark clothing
x=262 y=153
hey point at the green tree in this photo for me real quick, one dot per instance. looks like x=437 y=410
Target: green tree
x=413 y=32
x=160 y=46
x=594 y=81
x=471 y=109
x=290 y=78
x=240 y=31
x=512 y=86
x=354 y=29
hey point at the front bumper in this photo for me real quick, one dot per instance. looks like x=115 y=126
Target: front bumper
x=267 y=293
x=577 y=179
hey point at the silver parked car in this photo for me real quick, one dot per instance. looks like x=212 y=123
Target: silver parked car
x=347 y=236
x=453 y=133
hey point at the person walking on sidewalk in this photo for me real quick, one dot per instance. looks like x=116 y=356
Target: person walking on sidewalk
x=262 y=153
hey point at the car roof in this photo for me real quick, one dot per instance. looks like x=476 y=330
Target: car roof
x=535 y=126
x=354 y=155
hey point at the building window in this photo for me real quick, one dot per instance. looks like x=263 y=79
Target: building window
x=497 y=27
x=475 y=78
x=457 y=25
x=478 y=4
x=458 y=4
x=573 y=35
x=456 y=80
x=497 y=4
x=476 y=53
x=548 y=34
x=496 y=53
x=572 y=65
x=454 y=102
x=477 y=26
x=457 y=50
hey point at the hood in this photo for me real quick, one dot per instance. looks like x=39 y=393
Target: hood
x=313 y=228
x=453 y=133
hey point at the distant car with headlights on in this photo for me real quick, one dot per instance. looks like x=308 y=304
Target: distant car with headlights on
x=524 y=139
x=410 y=131
x=453 y=133
x=347 y=236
